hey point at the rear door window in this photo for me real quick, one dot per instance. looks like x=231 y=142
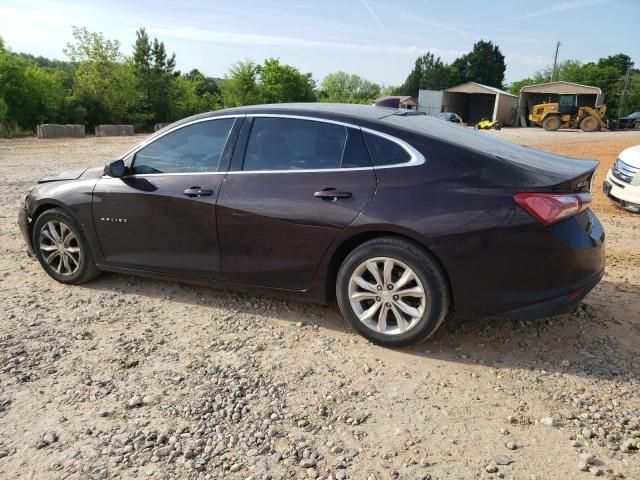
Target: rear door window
x=294 y=144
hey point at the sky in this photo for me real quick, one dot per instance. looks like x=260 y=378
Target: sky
x=376 y=39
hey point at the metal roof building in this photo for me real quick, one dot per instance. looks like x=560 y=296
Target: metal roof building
x=531 y=95
x=472 y=101
x=397 y=101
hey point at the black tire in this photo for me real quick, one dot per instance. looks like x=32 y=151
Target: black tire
x=552 y=123
x=426 y=269
x=589 y=124
x=82 y=270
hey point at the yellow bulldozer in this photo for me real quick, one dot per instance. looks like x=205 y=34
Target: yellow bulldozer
x=567 y=114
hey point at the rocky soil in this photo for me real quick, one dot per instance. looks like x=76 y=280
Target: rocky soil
x=133 y=378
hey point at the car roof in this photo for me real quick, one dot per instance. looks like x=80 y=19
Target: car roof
x=367 y=112
x=337 y=111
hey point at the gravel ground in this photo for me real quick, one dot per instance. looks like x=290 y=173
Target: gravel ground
x=133 y=378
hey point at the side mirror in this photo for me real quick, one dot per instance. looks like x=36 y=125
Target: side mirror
x=115 y=169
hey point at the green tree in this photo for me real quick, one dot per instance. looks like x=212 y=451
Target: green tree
x=3 y=110
x=281 y=83
x=342 y=87
x=104 y=84
x=247 y=83
x=429 y=73
x=185 y=100
x=3 y=105
x=142 y=61
x=633 y=105
x=619 y=62
x=154 y=73
x=484 y=64
x=205 y=84
x=240 y=86
x=191 y=95
x=163 y=67
x=29 y=94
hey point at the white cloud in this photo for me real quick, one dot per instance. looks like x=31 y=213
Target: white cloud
x=425 y=21
x=376 y=18
x=217 y=36
x=559 y=7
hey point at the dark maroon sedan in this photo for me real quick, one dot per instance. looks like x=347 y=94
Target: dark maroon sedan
x=402 y=217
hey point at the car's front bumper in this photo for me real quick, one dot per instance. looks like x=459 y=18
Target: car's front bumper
x=23 y=224
x=623 y=194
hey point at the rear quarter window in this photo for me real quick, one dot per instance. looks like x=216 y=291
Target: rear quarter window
x=385 y=152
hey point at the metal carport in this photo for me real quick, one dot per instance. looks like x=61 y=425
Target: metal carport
x=549 y=92
x=472 y=101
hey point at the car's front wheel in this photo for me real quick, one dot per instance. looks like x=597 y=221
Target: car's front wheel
x=62 y=248
x=392 y=292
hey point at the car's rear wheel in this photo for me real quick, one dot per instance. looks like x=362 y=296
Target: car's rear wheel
x=62 y=248
x=552 y=123
x=392 y=292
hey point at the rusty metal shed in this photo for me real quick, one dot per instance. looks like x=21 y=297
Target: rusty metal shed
x=531 y=95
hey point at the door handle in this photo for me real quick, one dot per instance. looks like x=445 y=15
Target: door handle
x=197 y=192
x=331 y=194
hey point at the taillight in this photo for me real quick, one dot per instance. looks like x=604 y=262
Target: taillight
x=549 y=208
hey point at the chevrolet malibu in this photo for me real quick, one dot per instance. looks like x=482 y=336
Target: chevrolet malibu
x=401 y=218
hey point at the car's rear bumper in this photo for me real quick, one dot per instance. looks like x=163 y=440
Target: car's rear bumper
x=554 y=306
x=23 y=224
x=623 y=194
x=536 y=272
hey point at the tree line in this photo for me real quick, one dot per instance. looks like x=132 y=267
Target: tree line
x=98 y=84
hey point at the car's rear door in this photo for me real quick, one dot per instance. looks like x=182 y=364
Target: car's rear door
x=294 y=186
x=161 y=217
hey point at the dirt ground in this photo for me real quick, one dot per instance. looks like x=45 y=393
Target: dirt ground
x=133 y=378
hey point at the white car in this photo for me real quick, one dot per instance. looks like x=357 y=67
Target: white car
x=622 y=185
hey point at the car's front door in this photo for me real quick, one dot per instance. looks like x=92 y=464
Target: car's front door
x=160 y=217
x=294 y=186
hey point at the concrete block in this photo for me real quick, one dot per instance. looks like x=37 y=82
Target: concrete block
x=53 y=130
x=114 y=130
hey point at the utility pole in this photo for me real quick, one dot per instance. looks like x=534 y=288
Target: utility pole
x=555 y=61
x=624 y=94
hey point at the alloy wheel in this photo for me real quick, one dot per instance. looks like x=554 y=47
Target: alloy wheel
x=60 y=248
x=387 y=296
